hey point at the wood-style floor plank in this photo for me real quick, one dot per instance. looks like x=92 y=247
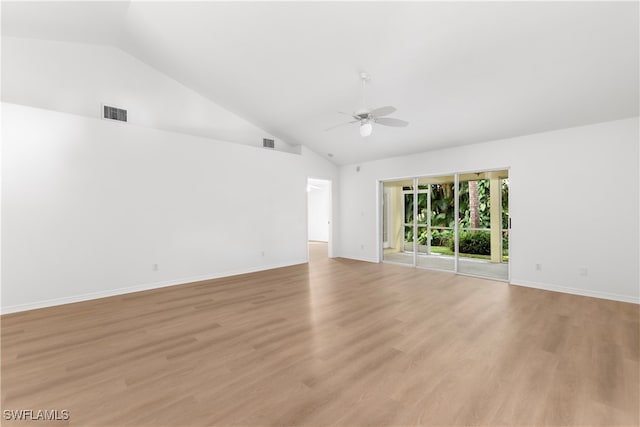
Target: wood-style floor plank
x=332 y=343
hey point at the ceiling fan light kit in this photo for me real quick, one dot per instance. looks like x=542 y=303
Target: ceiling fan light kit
x=366 y=129
x=367 y=117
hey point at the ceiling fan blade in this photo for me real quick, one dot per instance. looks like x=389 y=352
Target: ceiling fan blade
x=341 y=124
x=382 y=111
x=350 y=115
x=389 y=121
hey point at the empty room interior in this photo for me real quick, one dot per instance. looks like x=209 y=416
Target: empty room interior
x=320 y=213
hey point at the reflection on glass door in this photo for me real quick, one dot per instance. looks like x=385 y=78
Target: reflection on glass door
x=397 y=219
x=483 y=224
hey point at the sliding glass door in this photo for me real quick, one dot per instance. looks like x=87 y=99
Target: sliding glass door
x=397 y=222
x=482 y=250
x=456 y=222
x=435 y=222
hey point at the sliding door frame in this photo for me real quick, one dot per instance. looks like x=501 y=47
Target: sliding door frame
x=415 y=179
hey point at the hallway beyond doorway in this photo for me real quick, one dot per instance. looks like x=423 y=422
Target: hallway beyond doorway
x=318 y=251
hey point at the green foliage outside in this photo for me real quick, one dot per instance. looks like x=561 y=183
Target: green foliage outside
x=474 y=242
x=439 y=237
x=443 y=215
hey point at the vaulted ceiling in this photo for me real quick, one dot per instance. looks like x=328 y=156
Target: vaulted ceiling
x=459 y=72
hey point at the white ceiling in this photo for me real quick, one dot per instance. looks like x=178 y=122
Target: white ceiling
x=459 y=72
x=89 y=22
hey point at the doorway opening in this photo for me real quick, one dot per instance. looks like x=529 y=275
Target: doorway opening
x=319 y=216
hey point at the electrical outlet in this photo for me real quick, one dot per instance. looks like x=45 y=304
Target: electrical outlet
x=583 y=271
x=155 y=267
x=362 y=246
x=262 y=253
x=538 y=267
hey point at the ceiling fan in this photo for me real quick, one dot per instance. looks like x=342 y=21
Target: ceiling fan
x=367 y=118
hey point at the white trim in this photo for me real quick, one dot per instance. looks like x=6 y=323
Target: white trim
x=444 y=174
x=330 y=236
x=510 y=234
x=135 y=288
x=379 y=220
x=415 y=221
x=385 y=219
x=576 y=291
x=456 y=219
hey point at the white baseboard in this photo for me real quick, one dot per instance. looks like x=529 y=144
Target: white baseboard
x=183 y=281
x=136 y=288
x=576 y=291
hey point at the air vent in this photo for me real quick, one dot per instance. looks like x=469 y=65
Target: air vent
x=268 y=143
x=113 y=113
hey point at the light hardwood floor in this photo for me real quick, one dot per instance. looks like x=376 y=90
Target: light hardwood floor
x=334 y=342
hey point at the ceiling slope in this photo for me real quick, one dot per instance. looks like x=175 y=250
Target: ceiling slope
x=459 y=72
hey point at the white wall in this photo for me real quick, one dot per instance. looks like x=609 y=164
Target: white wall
x=78 y=78
x=573 y=199
x=318 y=210
x=89 y=206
